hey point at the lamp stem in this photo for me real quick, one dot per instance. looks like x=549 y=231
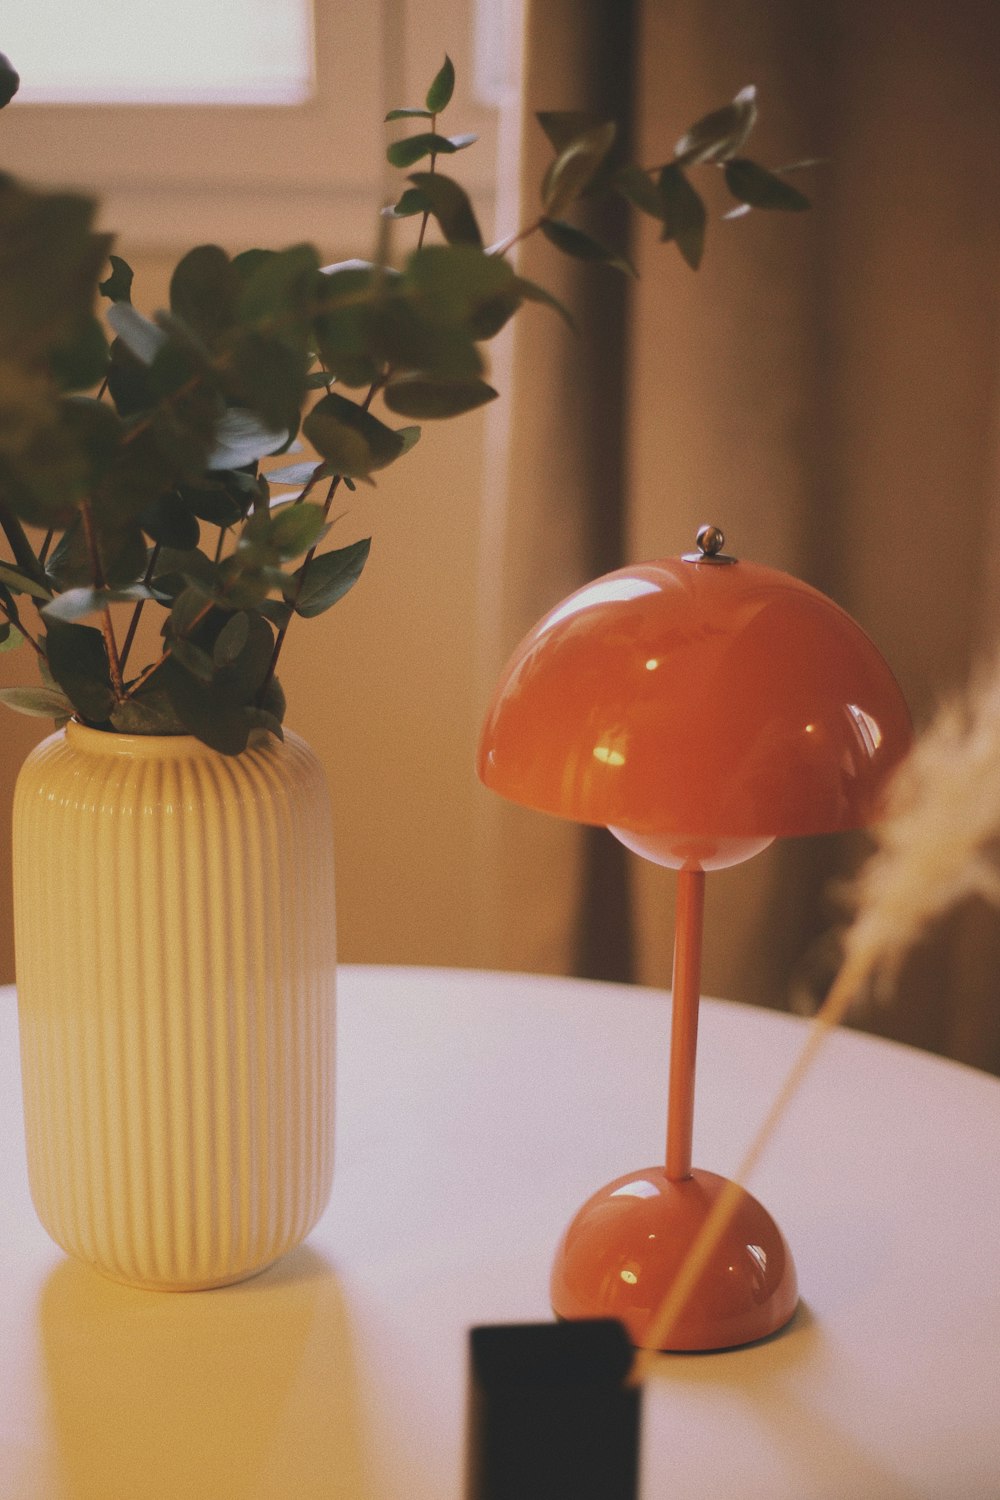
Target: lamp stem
x=684 y=1026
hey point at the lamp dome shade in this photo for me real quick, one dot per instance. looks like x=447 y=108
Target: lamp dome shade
x=711 y=699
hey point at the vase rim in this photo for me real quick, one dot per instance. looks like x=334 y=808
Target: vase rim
x=150 y=746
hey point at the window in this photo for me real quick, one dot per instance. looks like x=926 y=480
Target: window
x=187 y=52
x=258 y=172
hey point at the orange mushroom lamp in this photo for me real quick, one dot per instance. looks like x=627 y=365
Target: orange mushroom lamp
x=699 y=707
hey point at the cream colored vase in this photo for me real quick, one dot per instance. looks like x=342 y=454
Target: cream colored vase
x=175 y=938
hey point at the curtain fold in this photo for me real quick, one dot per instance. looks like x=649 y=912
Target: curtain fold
x=826 y=388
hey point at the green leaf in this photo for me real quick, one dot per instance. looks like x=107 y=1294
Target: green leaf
x=149 y=712
x=530 y=291
x=458 y=286
x=118 y=286
x=440 y=92
x=409 y=436
x=565 y=126
x=193 y=659
x=640 y=190
x=231 y=639
x=415 y=396
x=295 y=527
x=242 y=438
x=410 y=203
x=327 y=578
x=303 y=473
x=683 y=214
x=83 y=361
x=351 y=440
x=719 y=135
x=760 y=188
x=171 y=522
x=19 y=582
x=575 y=168
x=212 y=717
x=76 y=604
x=188 y=606
x=50 y=259
x=278 y=294
x=581 y=246
x=241 y=678
x=408 y=114
x=78 y=661
x=259 y=718
x=449 y=203
x=277 y=611
x=40 y=702
x=218 y=504
x=10 y=636
x=203 y=292
x=414 y=148
x=266 y=375
x=175 y=571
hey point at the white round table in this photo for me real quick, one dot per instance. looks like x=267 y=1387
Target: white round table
x=476 y=1112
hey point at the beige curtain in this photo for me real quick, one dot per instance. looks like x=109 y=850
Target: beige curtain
x=826 y=388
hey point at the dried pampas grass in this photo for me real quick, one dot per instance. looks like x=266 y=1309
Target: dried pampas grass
x=939 y=840
x=937 y=843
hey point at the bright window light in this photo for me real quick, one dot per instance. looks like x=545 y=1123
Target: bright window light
x=141 y=52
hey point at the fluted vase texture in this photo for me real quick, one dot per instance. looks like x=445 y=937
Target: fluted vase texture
x=176 y=955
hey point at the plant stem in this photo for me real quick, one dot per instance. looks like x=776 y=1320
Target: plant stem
x=375 y=386
x=137 y=612
x=502 y=246
x=46 y=544
x=423 y=222
x=97 y=571
x=221 y=542
x=22 y=549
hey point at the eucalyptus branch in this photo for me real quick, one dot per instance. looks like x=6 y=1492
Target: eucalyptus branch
x=107 y=628
x=165 y=656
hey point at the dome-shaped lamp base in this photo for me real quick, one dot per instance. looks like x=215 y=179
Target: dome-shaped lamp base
x=621 y=1253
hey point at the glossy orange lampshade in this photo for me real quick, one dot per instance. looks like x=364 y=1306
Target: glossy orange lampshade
x=699 y=707
x=696 y=698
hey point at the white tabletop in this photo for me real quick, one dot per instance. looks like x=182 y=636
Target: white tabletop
x=476 y=1112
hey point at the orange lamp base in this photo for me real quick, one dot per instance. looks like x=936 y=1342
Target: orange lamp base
x=621 y=1253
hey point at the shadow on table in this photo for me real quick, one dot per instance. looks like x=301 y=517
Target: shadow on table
x=244 y=1393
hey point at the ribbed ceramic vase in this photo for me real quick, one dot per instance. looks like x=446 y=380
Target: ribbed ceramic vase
x=174 y=927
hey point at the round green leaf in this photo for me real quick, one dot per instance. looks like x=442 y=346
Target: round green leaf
x=440 y=92
x=413 y=396
x=40 y=702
